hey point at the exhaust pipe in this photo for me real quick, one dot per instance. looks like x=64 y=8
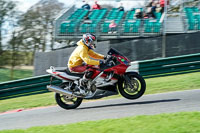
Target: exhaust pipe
x=60 y=90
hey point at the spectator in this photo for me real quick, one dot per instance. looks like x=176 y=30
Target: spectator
x=162 y=5
x=149 y=13
x=138 y=14
x=158 y=8
x=86 y=6
x=121 y=8
x=96 y=6
x=153 y=8
x=113 y=27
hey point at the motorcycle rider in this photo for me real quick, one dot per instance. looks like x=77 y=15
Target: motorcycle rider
x=82 y=55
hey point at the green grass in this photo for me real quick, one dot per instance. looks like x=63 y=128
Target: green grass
x=173 y=83
x=184 y=122
x=154 y=85
x=27 y=102
x=18 y=74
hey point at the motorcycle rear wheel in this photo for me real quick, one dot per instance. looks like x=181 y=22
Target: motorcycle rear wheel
x=65 y=102
x=138 y=83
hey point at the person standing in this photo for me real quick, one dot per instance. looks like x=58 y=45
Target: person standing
x=162 y=5
x=113 y=27
x=96 y=6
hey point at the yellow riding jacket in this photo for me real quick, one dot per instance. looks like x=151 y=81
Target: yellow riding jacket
x=82 y=54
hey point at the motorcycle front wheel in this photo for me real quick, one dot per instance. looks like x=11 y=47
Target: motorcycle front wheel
x=136 y=89
x=67 y=102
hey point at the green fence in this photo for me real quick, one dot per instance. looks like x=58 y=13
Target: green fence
x=147 y=68
x=170 y=65
x=24 y=87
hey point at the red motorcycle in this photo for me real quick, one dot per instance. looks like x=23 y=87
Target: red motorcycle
x=114 y=78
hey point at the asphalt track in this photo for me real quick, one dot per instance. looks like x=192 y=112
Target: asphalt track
x=103 y=109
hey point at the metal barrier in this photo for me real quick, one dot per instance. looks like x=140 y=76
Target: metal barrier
x=125 y=28
x=25 y=87
x=169 y=66
x=148 y=69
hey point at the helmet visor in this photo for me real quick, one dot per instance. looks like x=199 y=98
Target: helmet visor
x=93 y=44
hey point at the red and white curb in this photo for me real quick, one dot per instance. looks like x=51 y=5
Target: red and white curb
x=20 y=110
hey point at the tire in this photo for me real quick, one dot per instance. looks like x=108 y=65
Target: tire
x=66 y=103
x=137 y=82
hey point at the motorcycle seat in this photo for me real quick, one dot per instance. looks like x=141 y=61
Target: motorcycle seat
x=74 y=73
x=68 y=72
x=60 y=69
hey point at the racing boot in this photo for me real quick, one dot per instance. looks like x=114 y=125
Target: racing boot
x=84 y=82
x=83 y=85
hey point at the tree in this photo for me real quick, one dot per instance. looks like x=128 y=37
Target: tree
x=7 y=10
x=37 y=24
x=16 y=53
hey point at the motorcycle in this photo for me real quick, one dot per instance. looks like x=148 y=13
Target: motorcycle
x=114 y=78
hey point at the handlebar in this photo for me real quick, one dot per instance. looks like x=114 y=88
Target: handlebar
x=110 y=61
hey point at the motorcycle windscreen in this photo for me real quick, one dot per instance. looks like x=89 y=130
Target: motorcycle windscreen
x=114 y=51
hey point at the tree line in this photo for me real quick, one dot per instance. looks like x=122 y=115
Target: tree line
x=23 y=34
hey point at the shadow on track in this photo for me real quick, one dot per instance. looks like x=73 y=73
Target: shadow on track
x=134 y=103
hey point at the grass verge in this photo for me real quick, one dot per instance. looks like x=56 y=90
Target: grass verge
x=18 y=74
x=154 y=85
x=184 y=122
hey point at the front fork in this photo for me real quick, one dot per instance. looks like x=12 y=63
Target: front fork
x=128 y=81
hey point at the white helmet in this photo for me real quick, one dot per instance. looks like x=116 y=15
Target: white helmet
x=89 y=40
